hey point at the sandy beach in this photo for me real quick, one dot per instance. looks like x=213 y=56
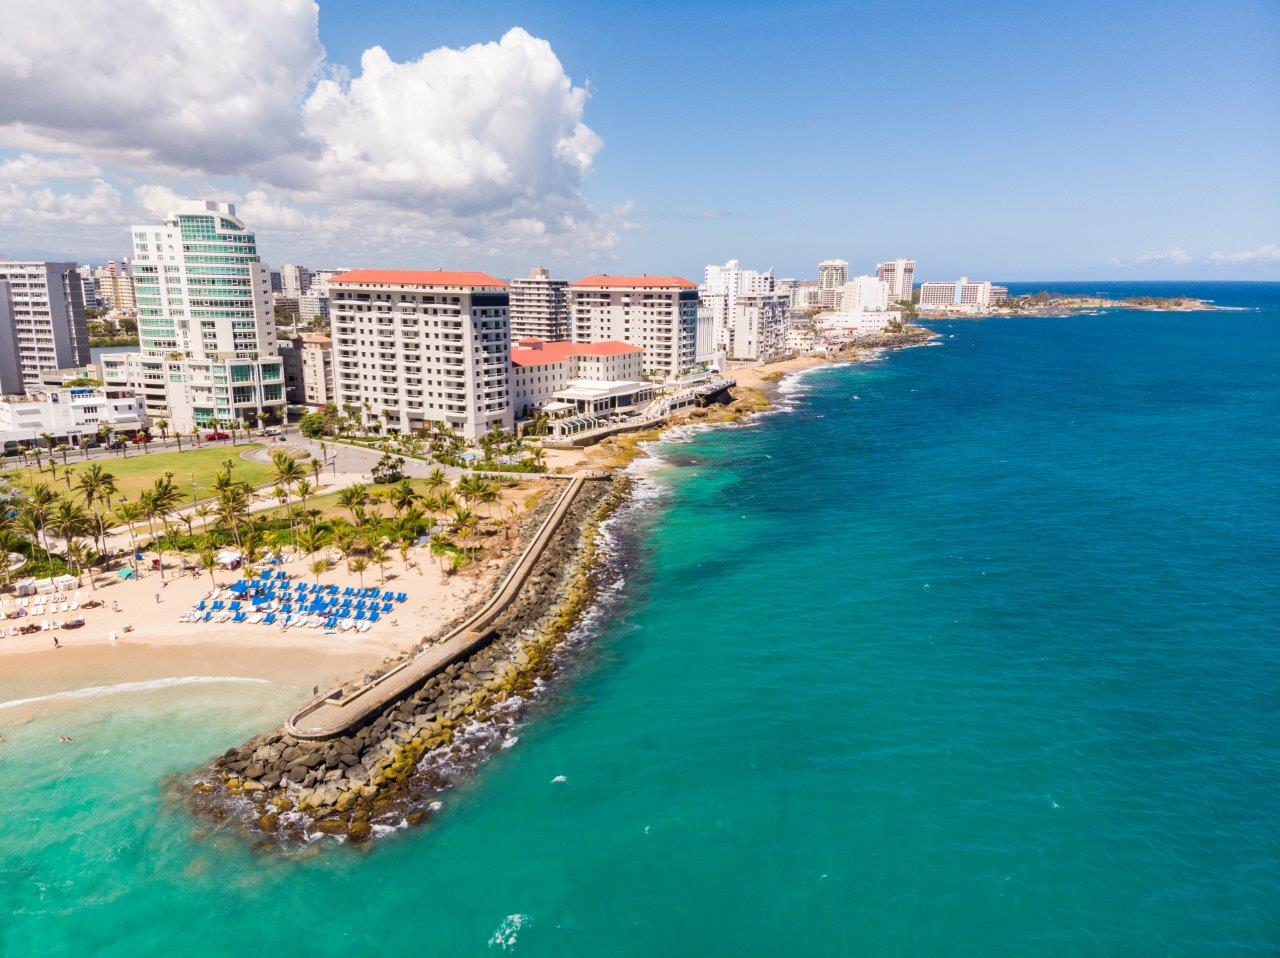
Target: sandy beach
x=150 y=643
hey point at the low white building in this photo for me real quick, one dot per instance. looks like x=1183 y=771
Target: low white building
x=68 y=415
x=540 y=369
x=842 y=325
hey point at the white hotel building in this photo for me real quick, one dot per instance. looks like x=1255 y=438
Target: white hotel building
x=657 y=313
x=608 y=373
x=205 y=323
x=899 y=274
x=962 y=296
x=412 y=347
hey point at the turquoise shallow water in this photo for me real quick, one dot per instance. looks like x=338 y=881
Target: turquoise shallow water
x=971 y=651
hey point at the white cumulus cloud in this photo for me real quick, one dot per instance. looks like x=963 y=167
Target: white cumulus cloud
x=1266 y=253
x=478 y=148
x=211 y=86
x=1175 y=255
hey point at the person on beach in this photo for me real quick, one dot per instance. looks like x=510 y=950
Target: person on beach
x=157 y=598
x=115 y=606
x=56 y=643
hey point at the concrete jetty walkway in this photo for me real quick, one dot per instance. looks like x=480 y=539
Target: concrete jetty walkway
x=336 y=712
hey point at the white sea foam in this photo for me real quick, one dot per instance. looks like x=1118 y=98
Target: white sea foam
x=508 y=932
x=98 y=691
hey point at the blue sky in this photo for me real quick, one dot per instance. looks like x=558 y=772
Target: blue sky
x=1002 y=140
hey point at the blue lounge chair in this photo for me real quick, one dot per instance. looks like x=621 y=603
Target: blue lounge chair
x=286 y=607
x=235 y=604
x=333 y=590
x=373 y=616
x=281 y=574
x=346 y=602
x=388 y=596
x=207 y=617
x=359 y=616
x=269 y=618
x=317 y=587
x=348 y=591
x=331 y=624
x=200 y=605
x=402 y=597
x=218 y=605
x=239 y=617
x=359 y=603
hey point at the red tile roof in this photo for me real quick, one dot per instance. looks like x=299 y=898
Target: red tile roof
x=416 y=277
x=535 y=352
x=637 y=282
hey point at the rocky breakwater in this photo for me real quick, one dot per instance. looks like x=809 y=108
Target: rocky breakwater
x=391 y=772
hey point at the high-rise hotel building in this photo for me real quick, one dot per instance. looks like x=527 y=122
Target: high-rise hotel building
x=539 y=307
x=657 y=313
x=832 y=275
x=899 y=274
x=205 y=323
x=413 y=347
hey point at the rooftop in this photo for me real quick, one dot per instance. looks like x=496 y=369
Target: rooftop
x=534 y=352
x=637 y=282
x=415 y=277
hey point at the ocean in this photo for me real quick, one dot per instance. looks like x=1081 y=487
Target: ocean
x=970 y=650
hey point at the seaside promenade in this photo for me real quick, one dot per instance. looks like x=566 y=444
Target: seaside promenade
x=340 y=710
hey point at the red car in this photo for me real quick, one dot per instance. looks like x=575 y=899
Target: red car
x=140 y=438
x=215 y=436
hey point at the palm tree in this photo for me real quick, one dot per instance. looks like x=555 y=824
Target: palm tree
x=163 y=426
x=354 y=498
x=436 y=480
x=209 y=560
x=319 y=568
x=129 y=513
x=309 y=539
x=97 y=486
x=304 y=490
x=402 y=495
x=358 y=565
x=379 y=556
x=287 y=472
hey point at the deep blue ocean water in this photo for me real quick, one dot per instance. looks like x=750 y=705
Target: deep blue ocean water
x=972 y=650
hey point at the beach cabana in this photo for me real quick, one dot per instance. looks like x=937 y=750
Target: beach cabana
x=230 y=558
x=65 y=582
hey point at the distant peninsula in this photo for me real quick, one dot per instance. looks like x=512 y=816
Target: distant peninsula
x=1049 y=303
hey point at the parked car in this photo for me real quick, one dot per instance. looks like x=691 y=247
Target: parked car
x=140 y=438
x=116 y=444
x=216 y=436
x=271 y=431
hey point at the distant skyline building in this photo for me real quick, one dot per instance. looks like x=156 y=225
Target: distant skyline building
x=115 y=286
x=46 y=327
x=294 y=280
x=207 y=331
x=899 y=274
x=657 y=313
x=718 y=296
x=832 y=275
x=539 y=307
x=964 y=295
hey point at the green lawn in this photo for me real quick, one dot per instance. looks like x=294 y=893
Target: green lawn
x=140 y=470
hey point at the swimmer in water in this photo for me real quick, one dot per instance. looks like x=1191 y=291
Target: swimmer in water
x=65 y=739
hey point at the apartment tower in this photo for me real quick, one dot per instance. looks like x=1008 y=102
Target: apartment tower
x=46 y=315
x=539 y=307
x=657 y=313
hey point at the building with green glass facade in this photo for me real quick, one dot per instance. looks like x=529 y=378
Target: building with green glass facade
x=207 y=331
